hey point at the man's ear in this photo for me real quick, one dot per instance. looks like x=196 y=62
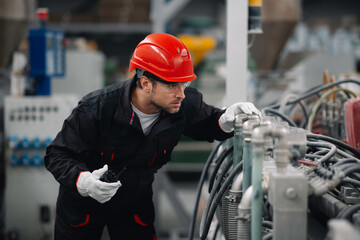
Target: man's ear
x=145 y=83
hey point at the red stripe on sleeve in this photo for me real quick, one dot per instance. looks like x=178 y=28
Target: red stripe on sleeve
x=152 y=161
x=78 y=180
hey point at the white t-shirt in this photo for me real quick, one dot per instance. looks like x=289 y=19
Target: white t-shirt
x=146 y=120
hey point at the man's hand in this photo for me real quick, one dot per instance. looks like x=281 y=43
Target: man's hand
x=88 y=184
x=226 y=120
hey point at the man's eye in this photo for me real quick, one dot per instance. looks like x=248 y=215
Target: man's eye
x=172 y=86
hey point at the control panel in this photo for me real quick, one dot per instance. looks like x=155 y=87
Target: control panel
x=31 y=123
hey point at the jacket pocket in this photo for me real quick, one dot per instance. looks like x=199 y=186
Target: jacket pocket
x=143 y=211
x=167 y=143
x=73 y=210
x=84 y=223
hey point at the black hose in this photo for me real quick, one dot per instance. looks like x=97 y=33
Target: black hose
x=351 y=169
x=216 y=187
x=346 y=155
x=317 y=90
x=267 y=224
x=346 y=213
x=268 y=236
x=223 y=171
x=345 y=161
x=226 y=184
x=217 y=166
x=304 y=124
x=355 y=174
x=313 y=156
x=328 y=155
x=198 y=192
x=320 y=152
x=279 y=114
x=306 y=115
x=351 y=181
x=344 y=166
x=334 y=141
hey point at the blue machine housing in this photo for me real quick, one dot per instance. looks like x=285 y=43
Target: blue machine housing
x=46 y=56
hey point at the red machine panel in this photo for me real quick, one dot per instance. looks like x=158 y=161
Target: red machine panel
x=352 y=121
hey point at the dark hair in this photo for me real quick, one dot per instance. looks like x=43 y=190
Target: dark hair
x=153 y=78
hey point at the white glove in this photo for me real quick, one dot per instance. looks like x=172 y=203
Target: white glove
x=226 y=120
x=88 y=184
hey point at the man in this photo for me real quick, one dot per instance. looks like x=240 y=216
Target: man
x=130 y=128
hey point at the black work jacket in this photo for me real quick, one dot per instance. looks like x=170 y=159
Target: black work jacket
x=103 y=129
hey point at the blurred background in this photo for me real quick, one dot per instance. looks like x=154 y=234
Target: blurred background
x=50 y=59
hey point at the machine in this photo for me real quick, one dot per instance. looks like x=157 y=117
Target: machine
x=31 y=122
x=294 y=174
x=46 y=54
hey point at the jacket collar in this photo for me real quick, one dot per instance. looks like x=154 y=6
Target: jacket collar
x=124 y=112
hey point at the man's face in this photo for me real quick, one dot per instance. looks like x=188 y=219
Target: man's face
x=167 y=97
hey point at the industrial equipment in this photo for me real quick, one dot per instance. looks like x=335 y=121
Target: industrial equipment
x=46 y=54
x=293 y=174
x=31 y=123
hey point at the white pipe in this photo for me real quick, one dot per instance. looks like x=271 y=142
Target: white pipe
x=236 y=186
x=236 y=51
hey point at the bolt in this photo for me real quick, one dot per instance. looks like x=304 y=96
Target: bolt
x=290 y=193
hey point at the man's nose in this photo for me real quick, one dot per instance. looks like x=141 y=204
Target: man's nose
x=180 y=92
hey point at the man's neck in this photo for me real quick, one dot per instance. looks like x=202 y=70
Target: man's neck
x=141 y=101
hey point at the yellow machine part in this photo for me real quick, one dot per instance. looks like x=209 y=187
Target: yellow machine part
x=198 y=45
x=253 y=3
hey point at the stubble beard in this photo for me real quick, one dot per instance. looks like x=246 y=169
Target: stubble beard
x=166 y=109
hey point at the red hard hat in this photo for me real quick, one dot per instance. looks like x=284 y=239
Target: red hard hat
x=164 y=56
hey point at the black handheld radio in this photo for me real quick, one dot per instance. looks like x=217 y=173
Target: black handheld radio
x=110 y=176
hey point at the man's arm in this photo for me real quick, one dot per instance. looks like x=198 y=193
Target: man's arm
x=210 y=123
x=66 y=156
x=202 y=118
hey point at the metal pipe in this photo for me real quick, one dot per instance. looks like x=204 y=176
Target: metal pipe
x=281 y=161
x=231 y=201
x=247 y=157
x=238 y=138
x=236 y=186
x=256 y=211
x=240 y=120
x=244 y=210
x=244 y=228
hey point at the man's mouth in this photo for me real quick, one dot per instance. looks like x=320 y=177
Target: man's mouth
x=177 y=104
